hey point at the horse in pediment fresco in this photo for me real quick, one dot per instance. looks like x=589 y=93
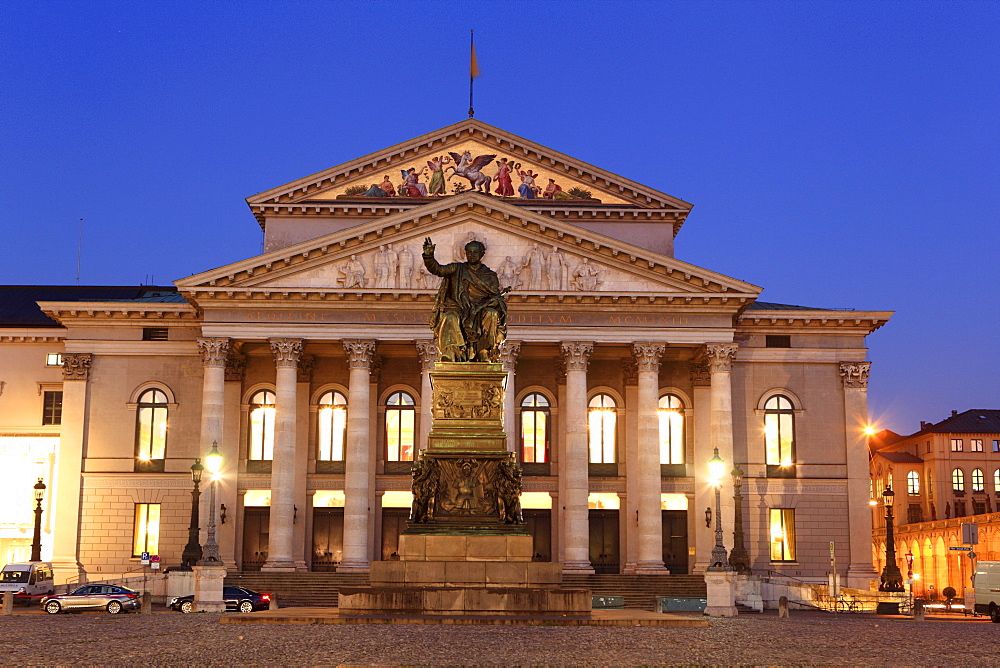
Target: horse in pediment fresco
x=467 y=167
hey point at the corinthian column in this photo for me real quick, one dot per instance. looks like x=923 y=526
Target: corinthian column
x=860 y=571
x=280 y=551
x=428 y=353
x=576 y=533
x=214 y=353
x=509 y=352
x=719 y=357
x=647 y=358
x=356 y=474
x=69 y=465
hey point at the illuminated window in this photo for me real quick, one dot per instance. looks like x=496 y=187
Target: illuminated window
x=976 y=445
x=262 y=425
x=779 y=431
x=958 y=480
x=332 y=426
x=996 y=481
x=53 y=359
x=782 y=534
x=956 y=445
x=913 y=482
x=535 y=419
x=671 y=429
x=151 y=427
x=603 y=418
x=146 y=533
x=52 y=407
x=978 y=480
x=400 y=417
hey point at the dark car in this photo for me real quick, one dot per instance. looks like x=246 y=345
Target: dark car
x=112 y=598
x=236 y=598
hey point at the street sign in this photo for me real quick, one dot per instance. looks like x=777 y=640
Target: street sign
x=145 y=559
x=155 y=559
x=970 y=533
x=962 y=548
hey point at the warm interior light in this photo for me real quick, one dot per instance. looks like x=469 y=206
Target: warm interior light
x=787 y=461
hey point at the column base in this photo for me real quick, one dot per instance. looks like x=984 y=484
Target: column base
x=354 y=567
x=862 y=576
x=645 y=569
x=578 y=567
x=279 y=567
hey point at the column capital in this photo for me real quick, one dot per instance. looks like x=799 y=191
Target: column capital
x=375 y=369
x=306 y=364
x=720 y=356
x=427 y=351
x=509 y=352
x=214 y=351
x=576 y=354
x=855 y=375
x=647 y=356
x=286 y=352
x=360 y=353
x=76 y=366
x=559 y=366
x=630 y=372
x=236 y=365
x=700 y=375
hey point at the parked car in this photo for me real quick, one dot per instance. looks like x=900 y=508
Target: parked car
x=26 y=580
x=112 y=598
x=237 y=599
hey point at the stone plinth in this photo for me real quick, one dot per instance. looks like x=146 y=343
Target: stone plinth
x=474 y=547
x=208 y=588
x=721 y=589
x=477 y=601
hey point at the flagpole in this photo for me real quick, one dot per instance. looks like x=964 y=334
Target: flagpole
x=472 y=69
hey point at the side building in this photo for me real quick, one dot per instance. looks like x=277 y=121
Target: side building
x=309 y=367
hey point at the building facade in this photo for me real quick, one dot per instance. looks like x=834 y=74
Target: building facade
x=309 y=367
x=943 y=476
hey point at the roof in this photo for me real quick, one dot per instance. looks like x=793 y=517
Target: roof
x=772 y=306
x=19 y=303
x=972 y=421
x=900 y=457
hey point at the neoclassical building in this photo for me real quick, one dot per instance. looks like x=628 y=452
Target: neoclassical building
x=309 y=366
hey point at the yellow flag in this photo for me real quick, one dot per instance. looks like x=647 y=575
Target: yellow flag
x=473 y=64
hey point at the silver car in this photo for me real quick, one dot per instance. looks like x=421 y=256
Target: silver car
x=112 y=598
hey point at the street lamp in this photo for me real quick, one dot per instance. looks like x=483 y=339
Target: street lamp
x=192 y=551
x=738 y=558
x=716 y=469
x=36 y=543
x=213 y=462
x=892 y=579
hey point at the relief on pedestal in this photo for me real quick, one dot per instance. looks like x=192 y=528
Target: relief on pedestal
x=484 y=489
x=855 y=374
x=475 y=399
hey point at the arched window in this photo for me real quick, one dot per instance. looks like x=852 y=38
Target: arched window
x=400 y=418
x=262 y=426
x=978 y=480
x=779 y=431
x=151 y=426
x=671 y=429
x=603 y=418
x=535 y=420
x=958 y=480
x=996 y=481
x=913 y=482
x=332 y=425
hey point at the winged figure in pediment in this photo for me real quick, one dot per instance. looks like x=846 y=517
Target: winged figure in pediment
x=470 y=168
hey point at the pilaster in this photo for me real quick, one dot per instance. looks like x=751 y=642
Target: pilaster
x=509 y=352
x=854 y=375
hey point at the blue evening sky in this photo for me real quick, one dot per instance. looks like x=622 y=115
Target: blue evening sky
x=839 y=154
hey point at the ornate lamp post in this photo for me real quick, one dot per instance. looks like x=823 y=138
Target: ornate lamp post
x=213 y=462
x=892 y=578
x=738 y=558
x=36 y=543
x=192 y=551
x=716 y=469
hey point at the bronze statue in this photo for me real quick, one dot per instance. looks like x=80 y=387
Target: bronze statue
x=509 y=492
x=425 y=483
x=470 y=314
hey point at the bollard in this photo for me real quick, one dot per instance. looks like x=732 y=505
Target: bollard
x=146 y=607
x=783 y=607
x=273 y=605
x=8 y=603
x=918 y=610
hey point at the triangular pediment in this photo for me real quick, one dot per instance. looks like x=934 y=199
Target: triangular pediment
x=541 y=259
x=574 y=178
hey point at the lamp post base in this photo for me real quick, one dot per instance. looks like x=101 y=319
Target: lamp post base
x=208 y=588
x=721 y=590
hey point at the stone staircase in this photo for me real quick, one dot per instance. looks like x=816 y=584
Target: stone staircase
x=320 y=589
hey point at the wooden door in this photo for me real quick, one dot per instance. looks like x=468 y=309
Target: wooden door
x=328 y=538
x=675 y=542
x=393 y=523
x=604 y=544
x=255 y=537
x=540 y=527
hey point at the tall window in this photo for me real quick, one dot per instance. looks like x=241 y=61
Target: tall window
x=779 y=431
x=400 y=416
x=52 y=407
x=996 y=445
x=262 y=425
x=996 y=481
x=976 y=445
x=671 y=429
x=332 y=426
x=958 y=480
x=978 y=480
x=151 y=427
x=913 y=483
x=956 y=445
x=146 y=533
x=535 y=420
x=782 y=534
x=602 y=418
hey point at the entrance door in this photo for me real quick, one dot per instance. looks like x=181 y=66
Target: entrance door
x=540 y=527
x=675 y=542
x=393 y=523
x=255 y=537
x=604 y=540
x=328 y=538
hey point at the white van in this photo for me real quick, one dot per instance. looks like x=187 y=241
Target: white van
x=986 y=584
x=27 y=580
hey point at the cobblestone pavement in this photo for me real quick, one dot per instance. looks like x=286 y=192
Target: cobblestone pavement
x=807 y=638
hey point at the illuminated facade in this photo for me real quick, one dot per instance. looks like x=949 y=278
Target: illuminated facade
x=309 y=366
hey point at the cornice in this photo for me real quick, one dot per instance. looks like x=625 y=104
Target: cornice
x=765 y=322
x=26 y=335
x=97 y=313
